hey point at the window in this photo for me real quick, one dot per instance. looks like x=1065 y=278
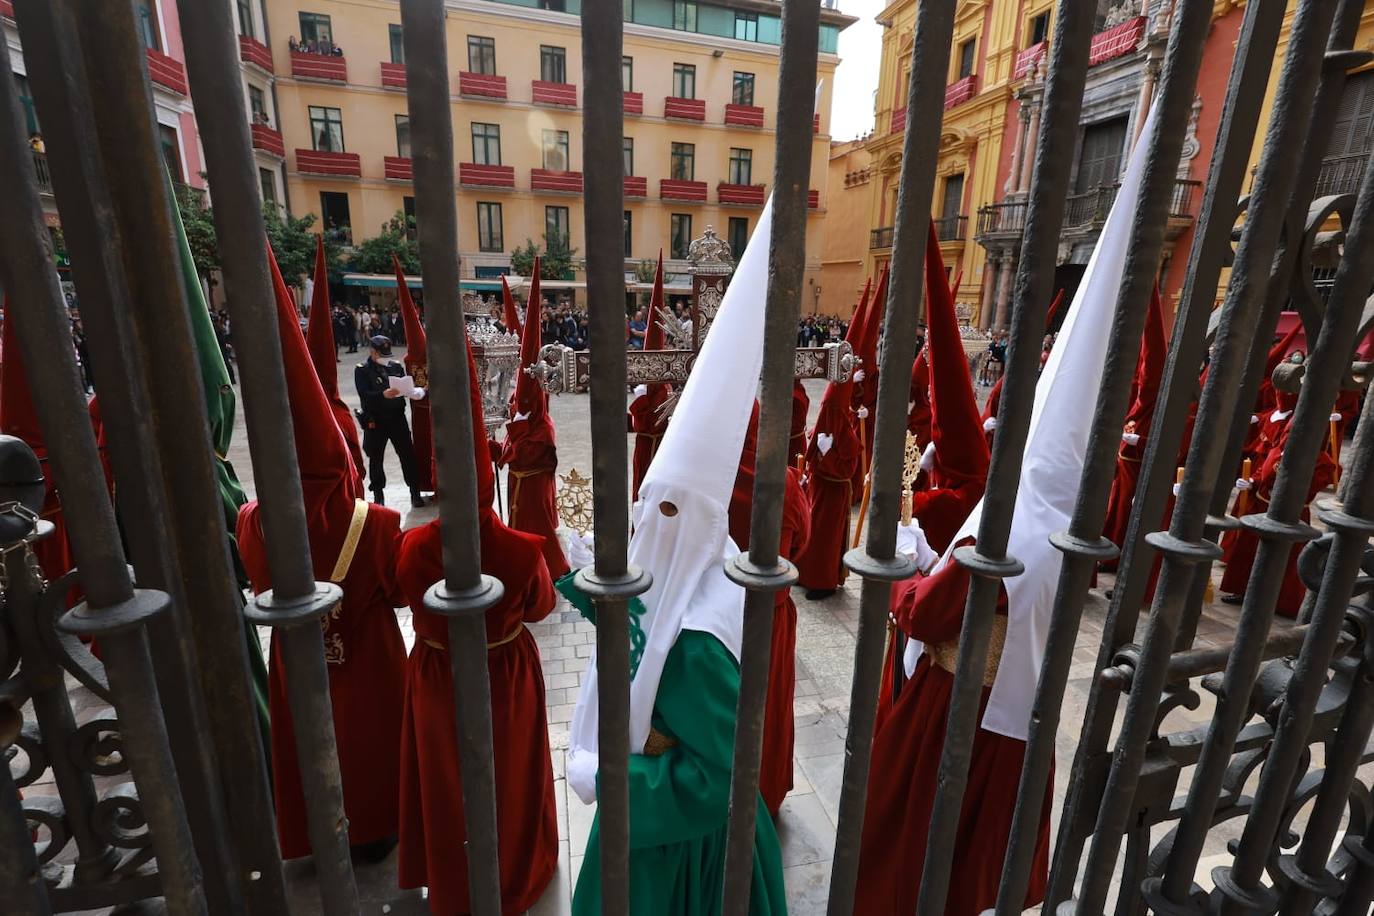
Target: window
x=334 y=210
x=1099 y=161
x=1354 y=124
x=680 y=234
x=629 y=227
x=403 y=136
x=743 y=91
x=556 y=150
x=741 y=166
x=558 y=6
x=489 y=232
x=486 y=143
x=684 y=81
x=398 y=46
x=628 y=10
x=21 y=86
x=147 y=25
x=966 y=51
x=316 y=27
x=171 y=151
x=408 y=208
x=627 y=74
x=1039 y=29
x=553 y=64
x=684 y=15
x=683 y=165
x=556 y=227
x=268 y=182
x=245 y=19
x=738 y=235
x=951 y=205
x=747 y=26
x=481 y=55
x=326 y=129
x=627 y=146
x=257 y=106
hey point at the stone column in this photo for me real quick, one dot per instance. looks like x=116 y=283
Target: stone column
x=1004 y=283
x=712 y=264
x=987 y=305
x=1013 y=185
x=1147 y=93
x=1028 y=156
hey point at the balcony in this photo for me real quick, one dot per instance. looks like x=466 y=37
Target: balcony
x=167 y=72
x=1340 y=175
x=740 y=195
x=816 y=123
x=563 y=95
x=40 y=171
x=268 y=140
x=960 y=91
x=323 y=67
x=813 y=199
x=334 y=165
x=556 y=182
x=744 y=115
x=393 y=75
x=1117 y=41
x=634 y=103
x=472 y=175
x=1027 y=59
x=898 y=121
x=693 y=191
x=636 y=186
x=7 y=9
x=951 y=228
x=684 y=109
x=481 y=85
x=1004 y=219
x=255 y=53
x=880 y=238
x=397 y=168
x=1089 y=209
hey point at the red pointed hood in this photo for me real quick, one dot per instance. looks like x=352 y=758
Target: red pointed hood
x=17 y=416
x=961 y=449
x=838 y=394
x=1149 y=370
x=1279 y=351
x=742 y=499
x=995 y=396
x=319 y=333
x=873 y=322
x=486 y=474
x=326 y=469
x=530 y=398
x=417 y=348
x=510 y=316
x=653 y=338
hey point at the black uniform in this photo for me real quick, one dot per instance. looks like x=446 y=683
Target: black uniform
x=384 y=420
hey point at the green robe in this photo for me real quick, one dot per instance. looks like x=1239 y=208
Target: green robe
x=220 y=404
x=679 y=800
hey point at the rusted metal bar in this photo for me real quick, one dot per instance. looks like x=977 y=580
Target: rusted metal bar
x=465 y=593
x=1083 y=545
x=183 y=551
x=1183 y=546
x=113 y=610
x=761 y=570
x=611 y=581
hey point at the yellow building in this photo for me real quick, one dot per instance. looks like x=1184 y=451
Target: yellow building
x=845 y=231
x=700 y=106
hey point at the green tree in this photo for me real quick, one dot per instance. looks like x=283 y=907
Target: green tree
x=200 y=230
x=397 y=237
x=644 y=273
x=522 y=258
x=293 y=245
x=556 y=260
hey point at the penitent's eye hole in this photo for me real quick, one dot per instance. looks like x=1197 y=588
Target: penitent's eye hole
x=667 y=508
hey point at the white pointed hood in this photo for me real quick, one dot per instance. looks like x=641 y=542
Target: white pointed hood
x=1052 y=465
x=692 y=477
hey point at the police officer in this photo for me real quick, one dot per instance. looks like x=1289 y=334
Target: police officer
x=383 y=418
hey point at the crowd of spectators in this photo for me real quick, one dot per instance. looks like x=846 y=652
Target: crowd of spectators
x=819 y=330
x=323 y=46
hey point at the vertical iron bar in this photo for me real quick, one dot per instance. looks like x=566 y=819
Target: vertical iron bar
x=113 y=609
x=1211 y=246
x=140 y=439
x=1183 y=546
x=142 y=213
x=611 y=581
x=877 y=563
x=1083 y=545
x=762 y=571
x=987 y=558
x=464 y=593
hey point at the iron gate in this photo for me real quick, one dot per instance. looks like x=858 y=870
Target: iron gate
x=195 y=823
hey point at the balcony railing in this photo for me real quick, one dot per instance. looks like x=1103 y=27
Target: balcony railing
x=268 y=140
x=481 y=85
x=960 y=91
x=880 y=238
x=40 y=169
x=323 y=67
x=1341 y=175
x=393 y=75
x=684 y=109
x=562 y=95
x=1117 y=41
x=252 y=51
x=1090 y=208
x=744 y=115
x=951 y=228
x=1027 y=59
x=1183 y=205
x=167 y=72
x=636 y=186
x=1007 y=217
x=898 y=120
x=634 y=103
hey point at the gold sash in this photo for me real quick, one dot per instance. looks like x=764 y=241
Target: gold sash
x=946 y=654
x=350 y=544
x=435 y=644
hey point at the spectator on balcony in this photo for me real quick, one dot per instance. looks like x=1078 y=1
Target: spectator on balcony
x=36 y=143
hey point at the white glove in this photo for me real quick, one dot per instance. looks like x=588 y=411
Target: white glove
x=824 y=441
x=862 y=413
x=911 y=541
x=928 y=457
x=641 y=390
x=859 y=375
x=416 y=394
x=1130 y=438
x=1335 y=418
x=1176 y=486
x=1254 y=418
x=1243 y=484
x=519 y=416
x=989 y=424
x=1279 y=416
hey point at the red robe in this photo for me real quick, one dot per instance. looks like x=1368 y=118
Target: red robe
x=829 y=487
x=421 y=428
x=533 y=458
x=779 y=725
x=865 y=396
x=990 y=408
x=918 y=417
x=801 y=406
x=432 y=833
x=643 y=420
x=902 y=786
x=366 y=658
